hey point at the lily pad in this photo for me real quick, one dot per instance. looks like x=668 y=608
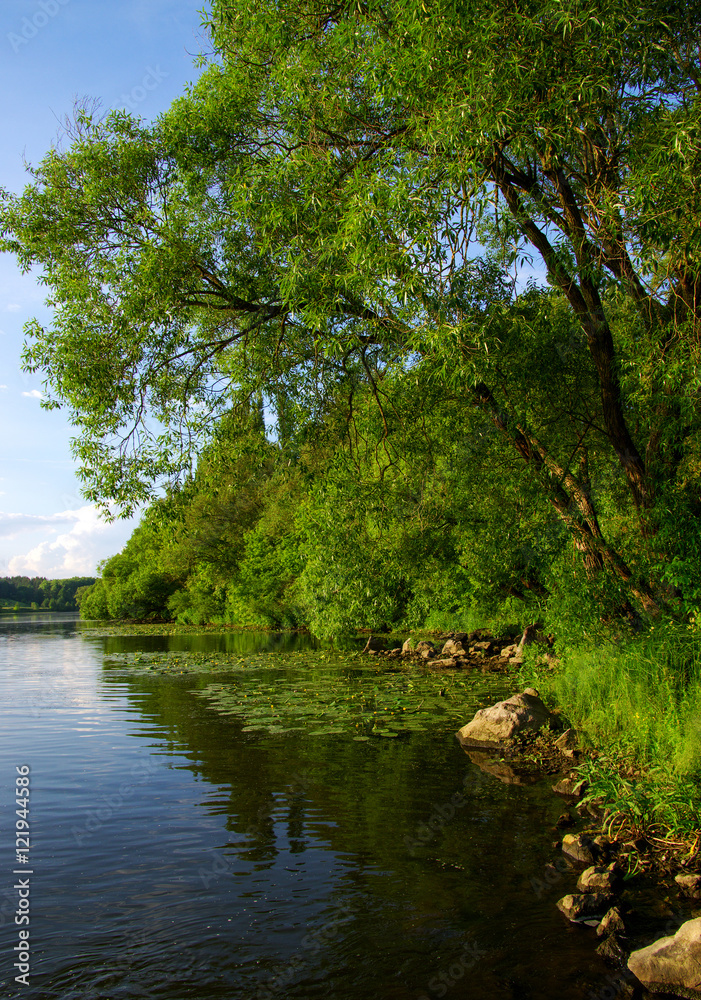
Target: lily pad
x=333 y=695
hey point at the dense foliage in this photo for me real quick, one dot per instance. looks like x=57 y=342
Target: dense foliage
x=39 y=593
x=332 y=230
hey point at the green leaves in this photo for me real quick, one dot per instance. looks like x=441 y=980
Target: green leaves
x=344 y=206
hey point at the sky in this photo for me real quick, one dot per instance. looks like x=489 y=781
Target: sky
x=137 y=55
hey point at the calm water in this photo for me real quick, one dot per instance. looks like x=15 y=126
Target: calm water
x=174 y=855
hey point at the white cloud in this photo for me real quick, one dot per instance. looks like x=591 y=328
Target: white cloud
x=72 y=553
x=34 y=394
x=13 y=307
x=12 y=525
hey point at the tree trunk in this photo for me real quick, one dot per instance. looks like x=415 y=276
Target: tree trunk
x=571 y=499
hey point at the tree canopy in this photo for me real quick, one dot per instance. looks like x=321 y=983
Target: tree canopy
x=490 y=206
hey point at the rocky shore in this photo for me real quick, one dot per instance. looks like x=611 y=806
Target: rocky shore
x=669 y=964
x=519 y=740
x=461 y=650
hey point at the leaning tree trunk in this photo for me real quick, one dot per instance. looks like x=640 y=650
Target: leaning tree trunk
x=571 y=499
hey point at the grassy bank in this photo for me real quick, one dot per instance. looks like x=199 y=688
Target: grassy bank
x=638 y=703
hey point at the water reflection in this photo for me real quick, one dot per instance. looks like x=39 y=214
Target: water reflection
x=236 y=643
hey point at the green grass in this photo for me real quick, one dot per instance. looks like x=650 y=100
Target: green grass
x=639 y=703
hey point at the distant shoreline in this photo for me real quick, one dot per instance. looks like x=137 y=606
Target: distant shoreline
x=36 y=611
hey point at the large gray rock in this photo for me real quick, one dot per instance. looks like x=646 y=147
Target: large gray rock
x=407 y=648
x=506 y=719
x=673 y=963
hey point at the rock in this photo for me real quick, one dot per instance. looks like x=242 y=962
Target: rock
x=563 y=820
x=453 y=648
x=603 y=845
x=580 y=848
x=482 y=647
x=571 y=787
x=612 y=923
x=599 y=879
x=407 y=648
x=611 y=949
x=506 y=718
x=689 y=885
x=584 y=907
x=373 y=645
x=671 y=962
x=425 y=649
x=568 y=740
x=507 y=651
x=444 y=664
x=458 y=636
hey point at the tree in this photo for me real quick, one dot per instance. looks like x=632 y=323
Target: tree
x=307 y=215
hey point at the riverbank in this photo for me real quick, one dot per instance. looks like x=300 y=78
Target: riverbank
x=637 y=705
x=632 y=818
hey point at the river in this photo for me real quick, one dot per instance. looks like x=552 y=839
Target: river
x=175 y=852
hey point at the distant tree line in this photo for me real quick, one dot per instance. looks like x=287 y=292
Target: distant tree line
x=42 y=594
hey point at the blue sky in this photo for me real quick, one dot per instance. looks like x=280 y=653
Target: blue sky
x=137 y=55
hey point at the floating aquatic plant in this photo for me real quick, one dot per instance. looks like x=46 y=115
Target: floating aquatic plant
x=323 y=694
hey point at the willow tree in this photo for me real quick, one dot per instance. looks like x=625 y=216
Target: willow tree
x=348 y=190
